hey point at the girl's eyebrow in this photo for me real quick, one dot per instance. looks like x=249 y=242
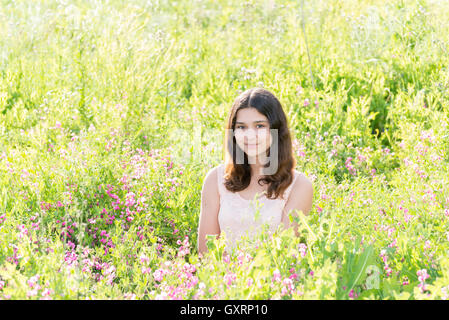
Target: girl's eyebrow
x=257 y=121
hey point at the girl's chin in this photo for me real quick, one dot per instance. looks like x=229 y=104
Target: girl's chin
x=252 y=152
x=254 y=155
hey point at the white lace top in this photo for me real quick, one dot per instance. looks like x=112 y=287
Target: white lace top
x=237 y=216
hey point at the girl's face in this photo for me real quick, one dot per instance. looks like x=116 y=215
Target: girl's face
x=252 y=132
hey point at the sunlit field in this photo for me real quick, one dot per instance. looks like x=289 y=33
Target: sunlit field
x=113 y=112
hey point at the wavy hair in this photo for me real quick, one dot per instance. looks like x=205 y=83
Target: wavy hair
x=238 y=176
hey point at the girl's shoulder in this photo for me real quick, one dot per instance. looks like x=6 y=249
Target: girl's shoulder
x=301 y=181
x=214 y=175
x=215 y=169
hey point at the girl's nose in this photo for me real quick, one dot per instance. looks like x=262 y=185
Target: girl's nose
x=251 y=133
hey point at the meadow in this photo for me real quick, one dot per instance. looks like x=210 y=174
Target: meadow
x=112 y=113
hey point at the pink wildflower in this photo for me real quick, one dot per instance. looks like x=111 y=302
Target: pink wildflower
x=422 y=276
x=288 y=287
x=352 y=294
x=229 y=278
x=306 y=102
x=302 y=249
x=159 y=275
x=276 y=276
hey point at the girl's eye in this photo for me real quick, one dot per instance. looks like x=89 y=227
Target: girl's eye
x=257 y=126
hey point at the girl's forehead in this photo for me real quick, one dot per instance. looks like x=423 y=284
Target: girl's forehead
x=250 y=115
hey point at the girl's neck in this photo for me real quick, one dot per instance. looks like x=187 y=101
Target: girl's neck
x=257 y=166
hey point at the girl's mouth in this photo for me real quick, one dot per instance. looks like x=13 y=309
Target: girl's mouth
x=251 y=145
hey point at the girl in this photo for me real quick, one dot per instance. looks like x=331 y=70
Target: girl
x=259 y=172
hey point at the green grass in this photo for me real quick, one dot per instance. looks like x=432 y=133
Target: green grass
x=121 y=100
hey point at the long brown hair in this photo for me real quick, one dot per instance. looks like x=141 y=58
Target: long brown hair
x=238 y=176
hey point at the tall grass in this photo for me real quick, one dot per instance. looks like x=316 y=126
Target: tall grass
x=113 y=112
